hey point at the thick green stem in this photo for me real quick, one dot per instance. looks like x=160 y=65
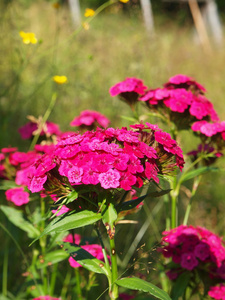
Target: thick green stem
x=174 y=197
x=113 y=289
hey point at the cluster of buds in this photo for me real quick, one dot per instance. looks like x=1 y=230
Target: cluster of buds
x=195 y=250
x=16 y=166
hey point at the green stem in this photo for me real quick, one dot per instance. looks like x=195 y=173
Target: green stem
x=174 y=197
x=53 y=279
x=113 y=290
x=194 y=189
x=78 y=288
x=45 y=118
x=43 y=246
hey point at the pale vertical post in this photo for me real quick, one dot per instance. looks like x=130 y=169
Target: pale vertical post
x=210 y=13
x=74 y=6
x=148 y=16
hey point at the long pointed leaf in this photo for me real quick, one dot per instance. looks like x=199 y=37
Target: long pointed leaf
x=85 y=259
x=71 y=221
x=16 y=217
x=135 y=283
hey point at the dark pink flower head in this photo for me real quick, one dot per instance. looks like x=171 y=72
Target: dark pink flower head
x=181 y=80
x=17 y=195
x=194 y=247
x=90 y=119
x=105 y=160
x=124 y=296
x=129 y=90
x=27 y=131
x=217 y=292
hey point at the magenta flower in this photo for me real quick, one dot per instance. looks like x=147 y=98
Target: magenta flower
x=108 y=159
x=17 y=195
x=28 y=130
x=217 y=292
x=90 y=119
x=181 y=101
x=128 y=90
x=194 y=249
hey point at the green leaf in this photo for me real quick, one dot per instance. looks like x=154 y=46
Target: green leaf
x=7 y=184
x=51 y=258
x=197 y=172
x=16 y=217
x=133 y=120
x=127 y=205
x=85 y=259
x=135 y=283
x=109 y=217
x=71 y=220
x=180 y=285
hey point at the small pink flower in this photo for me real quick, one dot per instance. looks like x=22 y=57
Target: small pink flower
x=75 y=174
x=188 y=261
x=217 y=292
x=110 y=179
x=17 y=195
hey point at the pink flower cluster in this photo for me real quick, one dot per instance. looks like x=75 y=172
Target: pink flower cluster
x=94 y=249
x=217 y=292
x=49 y=129
x=16 y=165
x=215 y=130
x=181 y=94
x=108 y=158
x=90 y=119
x=128 y=90
x=194 y=248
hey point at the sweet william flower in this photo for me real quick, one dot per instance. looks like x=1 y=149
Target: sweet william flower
x=89 y=12
x=17 y=195
x=60 y=79
x=28 y=37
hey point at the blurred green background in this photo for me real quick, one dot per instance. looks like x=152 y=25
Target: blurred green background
x=116 y=46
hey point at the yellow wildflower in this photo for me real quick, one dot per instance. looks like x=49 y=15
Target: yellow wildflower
x=124 y=1
x=85 y=25
x=89 y=12
x=60 y=79
x=28 y=37
x=56 y=5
